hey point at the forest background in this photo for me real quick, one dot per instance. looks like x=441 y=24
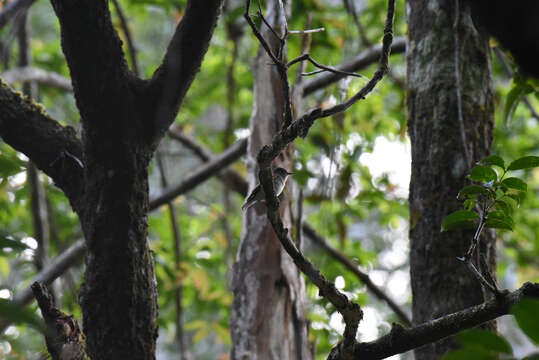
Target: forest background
x=352 y=173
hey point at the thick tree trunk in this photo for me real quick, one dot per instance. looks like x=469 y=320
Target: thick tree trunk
x=448 y=68
x=268 y=314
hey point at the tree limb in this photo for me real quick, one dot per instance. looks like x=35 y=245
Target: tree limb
x=200 y=175
x=351 y=266
x=37 y=75
x=182 y=61
x=55 y=149
x=400 y=340
x=130 y=44
x=64 y=339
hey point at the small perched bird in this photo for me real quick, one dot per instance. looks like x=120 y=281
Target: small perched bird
x=280 y=176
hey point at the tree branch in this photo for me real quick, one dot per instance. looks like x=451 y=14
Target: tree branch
x=400 y=340
x=28 y=73
x=130 y=44
x=351 y=266
x=201 y=174
x=55 y=149
x=182 y=61
x=63 y=336
x=366 y=58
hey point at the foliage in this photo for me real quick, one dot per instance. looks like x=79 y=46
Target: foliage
x=362 y=212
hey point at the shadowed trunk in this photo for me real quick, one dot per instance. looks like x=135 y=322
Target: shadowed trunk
x=450 y=110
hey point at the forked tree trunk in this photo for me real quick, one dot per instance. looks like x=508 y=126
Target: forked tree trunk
x=445 y=62
x=268 y=313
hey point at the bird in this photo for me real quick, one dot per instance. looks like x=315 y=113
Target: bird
x=280 y=176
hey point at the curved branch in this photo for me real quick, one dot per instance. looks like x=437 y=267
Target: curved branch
x=55 y=149
x=33 y=74
x=366 y=58
x=182 y=61
x=400 y=340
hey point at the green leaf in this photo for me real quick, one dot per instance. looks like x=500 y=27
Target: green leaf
x=468 y=204
x=485 y=339
x=459 y=219
x=472 y=190
x=483 y=173
x=525 y=313
x=525 y=162
x=513 y=98
x=515 y=183
x=503 y=206
x=499 y=220
x=493 y=160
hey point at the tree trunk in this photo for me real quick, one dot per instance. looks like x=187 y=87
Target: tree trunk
x=268 y=313
x=450 y=109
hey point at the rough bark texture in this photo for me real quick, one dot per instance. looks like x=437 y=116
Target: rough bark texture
x=440 y=283
x=105 y=174
x=268 y=314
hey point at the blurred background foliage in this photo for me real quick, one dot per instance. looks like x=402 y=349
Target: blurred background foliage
x=353 y=170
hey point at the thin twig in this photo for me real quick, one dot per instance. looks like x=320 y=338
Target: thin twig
x=309 y=31
x=128 y=37
x=307 y=57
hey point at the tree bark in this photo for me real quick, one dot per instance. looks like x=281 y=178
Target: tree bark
x=450 y=110
x=268 y=313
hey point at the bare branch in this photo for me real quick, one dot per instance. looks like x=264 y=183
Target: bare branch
x=201 y=174
x=353 y=267
x=130 y=44
x=309 y=31
x=400 y=340
x=182 y=61
x=63 y=336
x=52 y=147
x=366 y=58
x=24 y=74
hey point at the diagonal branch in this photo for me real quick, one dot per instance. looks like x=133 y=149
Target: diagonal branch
x=182 y=61
x=366 y=58
x=400 y=340
x=130 y=44
x=353 y=267
x=200 y=175
x=236 y=182
x=55 y=149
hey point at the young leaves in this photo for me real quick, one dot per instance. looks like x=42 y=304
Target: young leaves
x=494 y=195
